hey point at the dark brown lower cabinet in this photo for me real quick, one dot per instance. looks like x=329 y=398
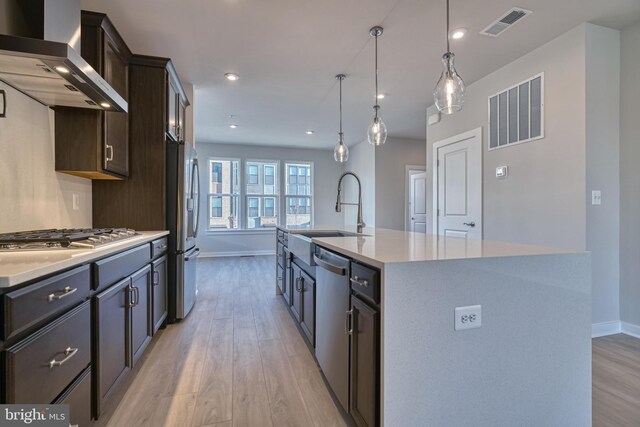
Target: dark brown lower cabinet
x=308 y=314
x=141 y=323
x=78 y=397
x=112 y=340
x=296 y=292
x=286 y=277
x=365 y=364
x=159 y=292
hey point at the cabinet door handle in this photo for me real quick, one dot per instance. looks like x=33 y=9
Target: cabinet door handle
x=137 y=293
x=297 y=284
x=156 y=278
x=130 y=293
x=347 y=329
x=108 y=152
x=356 y=280
x=69 y=353
x=63 y=294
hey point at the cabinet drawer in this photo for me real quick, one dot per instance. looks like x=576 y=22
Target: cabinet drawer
x=42 y=365
x=78 y=397
x=365 y=281
x=109 y=270
x=159 y=247
x=31 y=305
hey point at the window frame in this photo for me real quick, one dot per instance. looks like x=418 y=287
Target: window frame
x=210 y=196
x=285 y=184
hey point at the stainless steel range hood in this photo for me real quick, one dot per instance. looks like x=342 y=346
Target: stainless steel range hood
x=39 y=45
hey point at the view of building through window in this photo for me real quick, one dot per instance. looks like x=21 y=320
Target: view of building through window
x=250 y=198
x=224 y=194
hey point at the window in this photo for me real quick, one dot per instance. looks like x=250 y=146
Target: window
x=216 y=207
x=224 y=193
x=262 y=181
x=516 y=114
x=299 y=198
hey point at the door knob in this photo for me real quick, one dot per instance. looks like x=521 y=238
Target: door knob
x=469 y=224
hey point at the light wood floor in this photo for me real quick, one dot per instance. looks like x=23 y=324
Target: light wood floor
x=237 y=360
x=616 y=381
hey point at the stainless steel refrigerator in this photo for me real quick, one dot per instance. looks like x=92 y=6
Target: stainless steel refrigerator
x=183 y=210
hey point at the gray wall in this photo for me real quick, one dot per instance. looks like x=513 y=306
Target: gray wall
x=391 y=159
x=32 y=194
x=546 y=200
x=542 y=201
x=630 y=176
x=326 y=172
x=603 y=143
x=382 y=172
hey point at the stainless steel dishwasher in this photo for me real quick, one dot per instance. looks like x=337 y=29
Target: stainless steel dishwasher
x=332 y=321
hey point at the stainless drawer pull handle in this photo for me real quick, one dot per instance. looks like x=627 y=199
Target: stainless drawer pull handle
x=108 y=153
x=348 y=330
x=69 y=353
x=156 y=278
x=64 y=293
x=357 y=281
x=162 y=248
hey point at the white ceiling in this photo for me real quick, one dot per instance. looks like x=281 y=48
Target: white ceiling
x=287 y=53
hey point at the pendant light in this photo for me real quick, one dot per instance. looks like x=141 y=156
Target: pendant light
x=377 y=132
x=449 y=92
x=341 y=151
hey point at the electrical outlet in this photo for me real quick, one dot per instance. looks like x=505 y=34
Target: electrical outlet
x=468 y=317
x=76 y=202
x=596 y=197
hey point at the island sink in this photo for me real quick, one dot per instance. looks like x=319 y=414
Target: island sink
x=301 y=245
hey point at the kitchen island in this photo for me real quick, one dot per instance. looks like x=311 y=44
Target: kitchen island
x=527 y=364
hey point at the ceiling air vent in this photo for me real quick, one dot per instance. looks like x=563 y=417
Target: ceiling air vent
x=505 y=22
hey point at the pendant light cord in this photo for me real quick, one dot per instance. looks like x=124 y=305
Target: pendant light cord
x=341 y=109
x=448 y=49
x=376 y=100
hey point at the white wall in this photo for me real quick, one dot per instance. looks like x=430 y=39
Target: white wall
x=542 y=201
x=246 y=242
x=603 y=159
x=630 y=176
x=362 y=162
x=32 y=194
x=546 y=199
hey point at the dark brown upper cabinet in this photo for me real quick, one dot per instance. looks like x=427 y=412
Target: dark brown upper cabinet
x=89 y=143
x=176 y=108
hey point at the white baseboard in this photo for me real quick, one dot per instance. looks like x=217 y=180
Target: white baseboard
x=630 y=329
x=238 y=253
x=605 y=328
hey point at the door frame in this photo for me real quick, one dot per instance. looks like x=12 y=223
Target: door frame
x=474 y=133
x=407 y=194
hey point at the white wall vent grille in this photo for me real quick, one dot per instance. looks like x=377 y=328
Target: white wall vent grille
x=505 y=22
x=516 y=114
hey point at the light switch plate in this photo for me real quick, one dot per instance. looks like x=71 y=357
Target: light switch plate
x=502 y=172
x=596 y=197
x=468 y=317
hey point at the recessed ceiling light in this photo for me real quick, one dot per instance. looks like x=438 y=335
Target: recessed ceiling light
x=459 y=33
x=232 y=76
x=309 y=132
x=61 y=69
x=381 y=96
x=105 y=105
x=233 y=126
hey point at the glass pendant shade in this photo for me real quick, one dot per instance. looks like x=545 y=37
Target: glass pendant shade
x=341 y=151
x=377 y=132
x=449 y=92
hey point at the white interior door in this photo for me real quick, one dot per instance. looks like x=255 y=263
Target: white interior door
x=418 y=202
x=458 y=185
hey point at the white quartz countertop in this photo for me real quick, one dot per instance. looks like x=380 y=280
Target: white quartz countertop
x=378 y=246
x=20 y=267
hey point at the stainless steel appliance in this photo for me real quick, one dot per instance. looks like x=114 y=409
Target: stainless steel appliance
x=332 y=321
x=182 y=222
x=75 y=238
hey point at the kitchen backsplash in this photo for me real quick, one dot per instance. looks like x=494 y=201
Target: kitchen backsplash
x=32 y=194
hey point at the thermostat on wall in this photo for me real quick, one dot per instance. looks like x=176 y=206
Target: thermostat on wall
x=502 y=171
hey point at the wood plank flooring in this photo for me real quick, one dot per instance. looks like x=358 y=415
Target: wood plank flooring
x=616 y=381
x=237 y=360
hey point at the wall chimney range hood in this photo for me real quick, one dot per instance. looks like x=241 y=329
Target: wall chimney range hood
x=39 y=56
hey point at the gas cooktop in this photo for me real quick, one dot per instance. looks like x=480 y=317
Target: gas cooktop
x=74 y=238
